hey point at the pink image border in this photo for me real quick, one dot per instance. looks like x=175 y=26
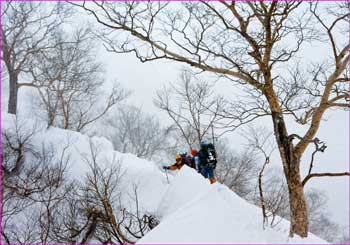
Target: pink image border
x=1 y=95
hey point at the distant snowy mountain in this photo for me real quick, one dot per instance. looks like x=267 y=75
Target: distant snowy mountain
x=190 y=210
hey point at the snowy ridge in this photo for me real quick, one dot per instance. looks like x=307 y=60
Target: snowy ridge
x=193 y=211
x=190 y=209
x=146 y=175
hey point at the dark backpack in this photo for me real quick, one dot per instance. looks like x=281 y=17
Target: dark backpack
x=207 y=156
x=211 y=155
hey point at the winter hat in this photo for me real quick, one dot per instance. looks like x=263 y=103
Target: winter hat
x=194 y=152
x=177 y=157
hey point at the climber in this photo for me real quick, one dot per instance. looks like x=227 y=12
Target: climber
x=195 y=160
x=207 y=161
x=177 y=165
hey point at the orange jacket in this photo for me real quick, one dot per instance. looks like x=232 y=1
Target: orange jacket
x=176 y=166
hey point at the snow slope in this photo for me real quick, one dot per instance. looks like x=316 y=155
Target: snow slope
x=193 y=211
x=151 y=182
x=190 y=209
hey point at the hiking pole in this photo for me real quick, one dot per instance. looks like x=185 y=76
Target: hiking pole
x=212 y=134
x=166 y=173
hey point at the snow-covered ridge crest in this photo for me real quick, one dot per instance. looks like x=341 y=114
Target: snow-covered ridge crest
x=151 y=182
x=193 y=211
x=189 y=208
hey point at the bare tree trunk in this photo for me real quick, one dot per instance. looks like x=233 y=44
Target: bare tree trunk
x=297 y=202
x=262 y=202
x=12 y=104
x=291 y=165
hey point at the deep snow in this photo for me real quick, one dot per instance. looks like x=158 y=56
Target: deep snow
x=193 y=211
x=189 y=208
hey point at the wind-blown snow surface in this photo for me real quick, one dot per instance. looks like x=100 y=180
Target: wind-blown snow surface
x=193 y=211
x=190 y=209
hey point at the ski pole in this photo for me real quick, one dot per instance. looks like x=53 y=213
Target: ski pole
x=212 y=134
x=166 y=173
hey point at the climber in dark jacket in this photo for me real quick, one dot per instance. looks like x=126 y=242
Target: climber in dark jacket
x=207 y=161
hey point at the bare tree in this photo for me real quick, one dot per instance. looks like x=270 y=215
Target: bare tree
x=344 y=237
x=237 y=171
x=247 y=43
x=191 y=105
x=275 y=198
x=70 y=218
x=111 y=222
x=41 y=204
x=321 y=222
x=34 y=183
x=70 y=80
x=260 y=141
x=26 y=30
x=132 y=130
x=277 y=207
x=101 y=194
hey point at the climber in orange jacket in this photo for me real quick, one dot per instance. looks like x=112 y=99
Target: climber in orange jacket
x=177 y=165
